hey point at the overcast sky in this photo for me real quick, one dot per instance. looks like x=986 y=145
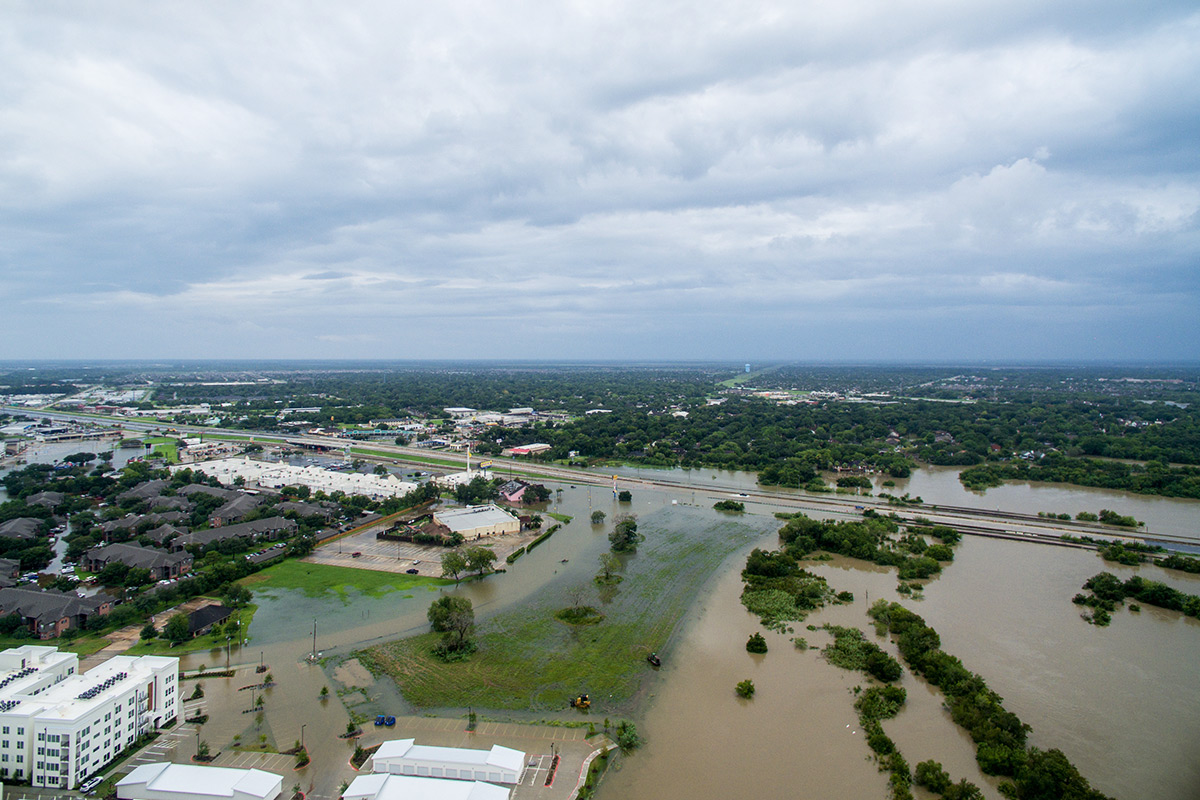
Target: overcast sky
x=894 y=180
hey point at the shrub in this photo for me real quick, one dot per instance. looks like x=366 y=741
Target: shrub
x=931 y=775
x=627 y=737
x=745 y=688
x=878 y=741
x=756 y=643
x=883 y=667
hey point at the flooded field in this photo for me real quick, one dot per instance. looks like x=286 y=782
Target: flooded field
x=1121 y=702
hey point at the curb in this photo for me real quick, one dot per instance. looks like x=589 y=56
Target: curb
x=583 y=771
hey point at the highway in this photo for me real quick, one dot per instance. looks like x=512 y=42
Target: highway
x=969 y=521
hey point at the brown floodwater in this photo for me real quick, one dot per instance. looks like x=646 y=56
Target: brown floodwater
x=1121 y=702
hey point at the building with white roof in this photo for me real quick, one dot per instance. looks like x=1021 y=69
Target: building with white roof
x=476 y=521
x=273 y=475
x=405 y=787
x=57 y=726
x=165 y=781
x=406 y=757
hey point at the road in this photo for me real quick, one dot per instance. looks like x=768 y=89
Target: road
x=971 y=521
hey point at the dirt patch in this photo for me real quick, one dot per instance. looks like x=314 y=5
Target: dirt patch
x=353 y=675
x=125 y=638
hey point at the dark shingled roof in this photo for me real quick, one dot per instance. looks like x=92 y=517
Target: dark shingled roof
x=21 y=528
x=201 y=618
x=144 y=491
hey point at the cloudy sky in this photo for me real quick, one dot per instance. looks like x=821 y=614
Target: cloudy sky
x=841 y=180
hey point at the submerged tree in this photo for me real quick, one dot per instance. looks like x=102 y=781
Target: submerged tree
x=454 y=617
x=625 y=536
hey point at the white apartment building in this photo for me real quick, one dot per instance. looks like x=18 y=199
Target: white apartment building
x=58 y=726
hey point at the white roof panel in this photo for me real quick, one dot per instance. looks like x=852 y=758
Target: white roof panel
x=405 y=787
x=507 y=758
x=192 y=780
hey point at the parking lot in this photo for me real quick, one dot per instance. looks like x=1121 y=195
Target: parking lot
x=389 y=556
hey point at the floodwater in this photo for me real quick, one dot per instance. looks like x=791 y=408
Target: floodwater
x=1121 y=701
x=940 y=486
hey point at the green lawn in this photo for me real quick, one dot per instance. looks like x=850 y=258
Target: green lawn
x=161 y=647
x=165 y=447
x=316 y=580
x=527 y=660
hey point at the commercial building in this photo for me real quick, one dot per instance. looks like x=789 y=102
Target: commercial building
x=475 y=521
x=57 y=726
x=404 y=787
x=273 y=475
x=165 y=781
x=526 y=450
x=406 y=757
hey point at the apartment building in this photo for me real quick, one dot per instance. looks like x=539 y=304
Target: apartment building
x=58 y=726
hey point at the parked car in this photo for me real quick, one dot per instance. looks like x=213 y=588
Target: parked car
x=356 y=554
x=411 y=571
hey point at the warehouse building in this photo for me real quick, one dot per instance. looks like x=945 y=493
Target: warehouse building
x=272 y=475
x=406 y=757
x=476 y=521
x=165 y=781
x=404 y=787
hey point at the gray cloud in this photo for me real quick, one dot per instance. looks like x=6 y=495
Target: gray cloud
x=839 y=180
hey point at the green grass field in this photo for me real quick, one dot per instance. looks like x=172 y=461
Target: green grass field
x=316 y=580
x=527 y=660
x=161 y=647
x=164 y=447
